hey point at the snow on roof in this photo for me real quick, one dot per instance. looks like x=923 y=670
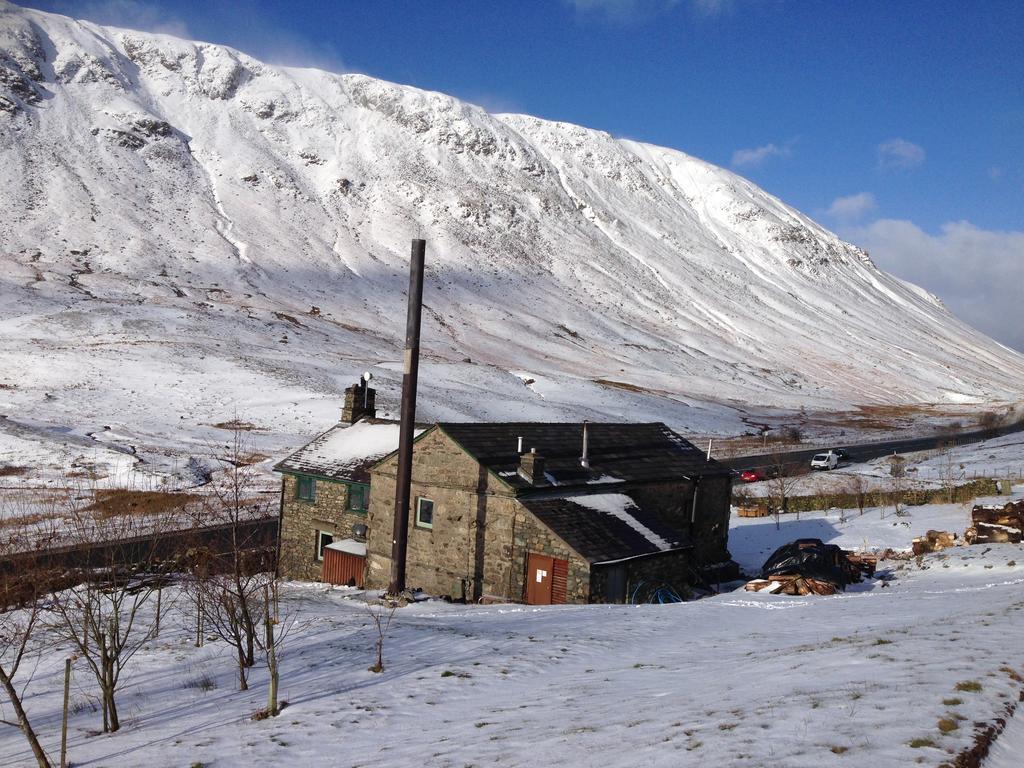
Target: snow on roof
x=619 y=505
x=345 y=452
x=348 y=546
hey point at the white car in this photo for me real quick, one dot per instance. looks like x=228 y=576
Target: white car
x=828 y=460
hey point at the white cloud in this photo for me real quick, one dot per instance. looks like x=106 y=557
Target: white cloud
x=711 y=7
x=899 y=153
x=623 y=10
x=977 y=273
x=749 y=158
x=130 y=14
x=852 y=207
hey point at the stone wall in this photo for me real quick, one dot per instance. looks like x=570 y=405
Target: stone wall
x=480 y=537
x=300 y=520
x=674 y=502
x=673 y=569
x=711 y=535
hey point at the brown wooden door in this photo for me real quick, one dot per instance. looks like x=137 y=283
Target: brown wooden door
x=539 y=570
x=342 y=568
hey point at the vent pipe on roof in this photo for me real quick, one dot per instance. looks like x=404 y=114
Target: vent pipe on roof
x=585 y=458
x=519 y=447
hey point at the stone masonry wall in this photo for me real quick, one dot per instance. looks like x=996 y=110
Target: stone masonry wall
x=711 y=537
x=481 y=534
x=674 y=501
x=300 y=520
x=674 y=569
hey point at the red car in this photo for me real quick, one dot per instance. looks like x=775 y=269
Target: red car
x=751 y=475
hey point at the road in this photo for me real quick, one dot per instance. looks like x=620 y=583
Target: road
x=868 y=451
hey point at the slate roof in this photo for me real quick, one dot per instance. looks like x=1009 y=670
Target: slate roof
x=345 y=452
x=601 y=537
x=617 y=452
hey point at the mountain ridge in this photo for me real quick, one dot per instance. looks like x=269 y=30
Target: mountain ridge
x=167 y=194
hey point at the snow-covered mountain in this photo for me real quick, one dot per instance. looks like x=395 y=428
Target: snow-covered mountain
x=188 y=233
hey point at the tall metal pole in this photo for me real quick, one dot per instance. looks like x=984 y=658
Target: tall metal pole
x=408 y=423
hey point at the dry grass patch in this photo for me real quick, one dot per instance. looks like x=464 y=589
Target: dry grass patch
x=117 y=502
x=235 y=424
x=969 y=686
x=948 y=724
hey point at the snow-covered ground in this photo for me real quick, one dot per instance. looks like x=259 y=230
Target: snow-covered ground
x=740 y=679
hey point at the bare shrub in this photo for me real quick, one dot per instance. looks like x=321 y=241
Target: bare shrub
x=229 y=587
x=381 y=617
x=104 y=613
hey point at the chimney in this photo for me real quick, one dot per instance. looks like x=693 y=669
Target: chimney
x=585 y=458
x=359 y=402
x=531 y=468
x=519 y=446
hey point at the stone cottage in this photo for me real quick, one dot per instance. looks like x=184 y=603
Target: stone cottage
x=325 y=494
x=552 y=513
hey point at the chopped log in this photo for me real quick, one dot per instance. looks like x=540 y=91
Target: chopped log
x=864 y=563
x=996 y=516
x=1010 y=514
x=753 y=510
x=791 y=585
x=933 y=541
x=985 y=533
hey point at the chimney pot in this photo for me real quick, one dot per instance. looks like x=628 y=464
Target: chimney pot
x=359 y=403
x=531 y=468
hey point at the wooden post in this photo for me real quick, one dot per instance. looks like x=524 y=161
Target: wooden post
x=199 y=619
x=407 y=428
x=64 y=721
x=271 y=652
x=156 y=624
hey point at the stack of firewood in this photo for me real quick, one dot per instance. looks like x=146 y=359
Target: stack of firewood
x=853 y=565
x=933 y=541
x=791 y=584
x=996 y=525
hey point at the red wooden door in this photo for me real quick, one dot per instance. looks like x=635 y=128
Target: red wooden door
x=342 y=568
x=539 y=575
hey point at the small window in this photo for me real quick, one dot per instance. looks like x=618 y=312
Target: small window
x=323 y=538
x=305 y=489
x=357 y=498
x=424 y=513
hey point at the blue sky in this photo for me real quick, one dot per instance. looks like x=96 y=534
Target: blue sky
x=898 y=124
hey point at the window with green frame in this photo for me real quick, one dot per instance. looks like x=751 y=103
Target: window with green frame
x=358 y=497
x=305 y=488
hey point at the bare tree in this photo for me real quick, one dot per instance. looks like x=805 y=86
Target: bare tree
x=276 y=629
x=856 y=486
x=783 y=481
x=381 y=617
x=897 y=483
x=989 y=421
x=21 y=586
x=105 y=614
x=949 y=472
x=228 y=588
